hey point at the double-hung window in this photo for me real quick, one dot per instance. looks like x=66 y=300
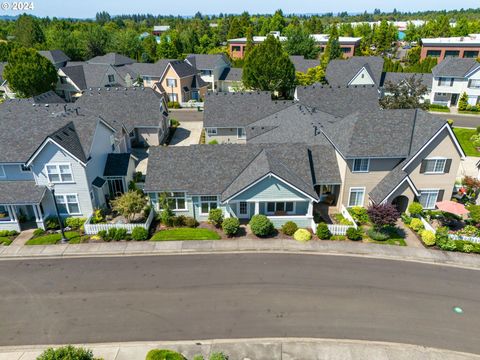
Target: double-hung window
x=435 y=166
x=445 y=81
x=68 y=204
x=357 y=195
x=283 y=206
x=474 y=84
x=241 y=134
x=428 y=198
x=59 y=173
x=177 y=201
x=361 y=165
x=211 y=131
x=172 y=82
x=208 y=203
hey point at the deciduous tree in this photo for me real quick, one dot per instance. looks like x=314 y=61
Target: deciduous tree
x=405 y=95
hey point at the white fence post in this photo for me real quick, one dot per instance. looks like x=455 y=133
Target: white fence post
x=347 y=216
x=427 y=226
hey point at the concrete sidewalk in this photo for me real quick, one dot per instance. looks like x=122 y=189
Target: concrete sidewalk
x=260 y=349
x=318 y=247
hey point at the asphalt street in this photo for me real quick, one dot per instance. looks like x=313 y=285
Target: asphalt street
x=461 y=120
x=237 y=296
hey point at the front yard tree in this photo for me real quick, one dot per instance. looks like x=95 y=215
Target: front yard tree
x=383 y=215
x=28 y=32
x=129 y=204
x=408 y=94
x=268 y=68
x=312 y=76
x=29 y=73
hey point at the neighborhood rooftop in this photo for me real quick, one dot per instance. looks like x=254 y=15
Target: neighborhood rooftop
x=113 y=59
x=341 y=72
x=455 y=67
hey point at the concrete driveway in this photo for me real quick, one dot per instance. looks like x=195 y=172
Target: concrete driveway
x=188 y=133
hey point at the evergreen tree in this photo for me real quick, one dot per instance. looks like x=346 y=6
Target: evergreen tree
x=267 y=67
x=332 y=50
x=235 y=30
x=249 y=45
x=299 y=42
x=28 y=32
x=29 y=73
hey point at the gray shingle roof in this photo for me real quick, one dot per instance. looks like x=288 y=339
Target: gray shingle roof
x=341 y=72
x=21 y=192
x=86 y=75
x=183 y=68
x=130 y=107
x=388 y=184
x=146 y=69
x=113 y=59
x=455 y=67
x=232 y=74
x=302 y=65
x=239 y=108
x=245 y=163
x=117 y=164
x=55 y=56
x=76 y=74
x=397 y=78
x=339 y=100
x=205 y=61
x=49 y=97
x=98 y=182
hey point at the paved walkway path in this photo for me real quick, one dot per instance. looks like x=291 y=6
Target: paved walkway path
x=260 y=349
x=188 y=133
x=318 y=247
x=23 y=237
x=410 y=238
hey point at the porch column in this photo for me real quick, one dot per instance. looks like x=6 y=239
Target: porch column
x=227 y=211
x=10 y=212
x=35 y=210
x=14 y=213
x=257 y=208
x=39 y=211
x=310 y=208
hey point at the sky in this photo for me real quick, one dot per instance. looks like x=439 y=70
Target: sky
x=88 y=8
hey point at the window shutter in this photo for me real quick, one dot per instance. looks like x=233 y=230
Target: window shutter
x=440 y=195
x=448 y=163
x=423 y=166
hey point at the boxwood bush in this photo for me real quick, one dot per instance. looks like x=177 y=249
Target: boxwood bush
x=415 y=209
x=416 y=225
x=354 y=234
x=322 y=231
x=289 y=228
x=191 y=222
x=139 y=233
x=261 y=225
x=378 y=235
x=302 y=235
x=230 y=226
x=428 y=237
x=160 y=354
x=215 y=216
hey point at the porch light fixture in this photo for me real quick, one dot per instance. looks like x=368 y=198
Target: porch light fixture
x=51 y=187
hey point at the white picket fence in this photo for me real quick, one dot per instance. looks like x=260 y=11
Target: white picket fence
x=347 y=216
x=92 y=229
x=429 y=227
x=338 y=229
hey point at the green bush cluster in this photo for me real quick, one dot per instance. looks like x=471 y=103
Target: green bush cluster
x=215 y=216
x=5 y=233
x=359 y=214
x=354 y=234
x=302 y=235
x=406 y=219
x=415 y=209
x=115 y=234
x=213 y=142
x=173 y=105
x=378 y=235
x=340 y=219
x=139 y=233
x=51 y=223
x=67 y=353
x=289 y=228
x=75 y=222
x=428 y=237
x=38 y=232
x=230 y=226
x=438 y=107
x=191 y=222
x=416 y=225
x=161 y=354
x=261 y=225
x=323 y=232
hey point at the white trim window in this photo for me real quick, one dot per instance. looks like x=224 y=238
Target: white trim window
x=2 y=172
x=68 y=204
x=287 y=207
x=177 y=201
x=172 y=83
x=435 y=166
x=361 y=165
x=208 y=203
x=59 y=173
x=172 y=97
x=241 y=133
x=4 y=213
x=428 y=198
x=211 y=131
x=356 y=196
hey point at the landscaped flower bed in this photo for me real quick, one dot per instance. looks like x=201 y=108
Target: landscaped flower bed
x=7 y=236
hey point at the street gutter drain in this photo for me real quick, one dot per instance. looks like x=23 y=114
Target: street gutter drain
x=457 y=310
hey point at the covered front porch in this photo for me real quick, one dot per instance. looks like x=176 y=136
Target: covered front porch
x=22 y=205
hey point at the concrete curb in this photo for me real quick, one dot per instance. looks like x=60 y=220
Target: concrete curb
x=257 y=349
x=115 y=249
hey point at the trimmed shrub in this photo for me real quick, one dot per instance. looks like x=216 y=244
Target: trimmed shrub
x=468 y=248
x=166 y=216
x=157 y=354
x=359 y=214
x=415 y=209
x=75 y=222
x=112 y=233
x=378 y=235
x=66 y=352
x=191 y=222
x=215 y=216
x=4 y=233
x=383 y=215
x=289 y=228
x=103 y=235
x=213 y=142
x=406 y=219
x=261 y=225
x=428 y=237
x=448 y=245
x=416 y=225
x=37 y=232
x=13 y=233
x=354 y=234
x=51 y=223
x=139 y=233
x=177 y=221
x=302 y=235
x=218 y=356
x=121 y=234
x=323 y=232
x=230 y=226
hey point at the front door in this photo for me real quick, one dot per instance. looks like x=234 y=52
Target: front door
x=453 y=100
x=243 y=212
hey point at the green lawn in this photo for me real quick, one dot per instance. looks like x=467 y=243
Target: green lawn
x=185 y=234
x=393 y=241
x=49 y=239
x=5 y=240
x=463 y=136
